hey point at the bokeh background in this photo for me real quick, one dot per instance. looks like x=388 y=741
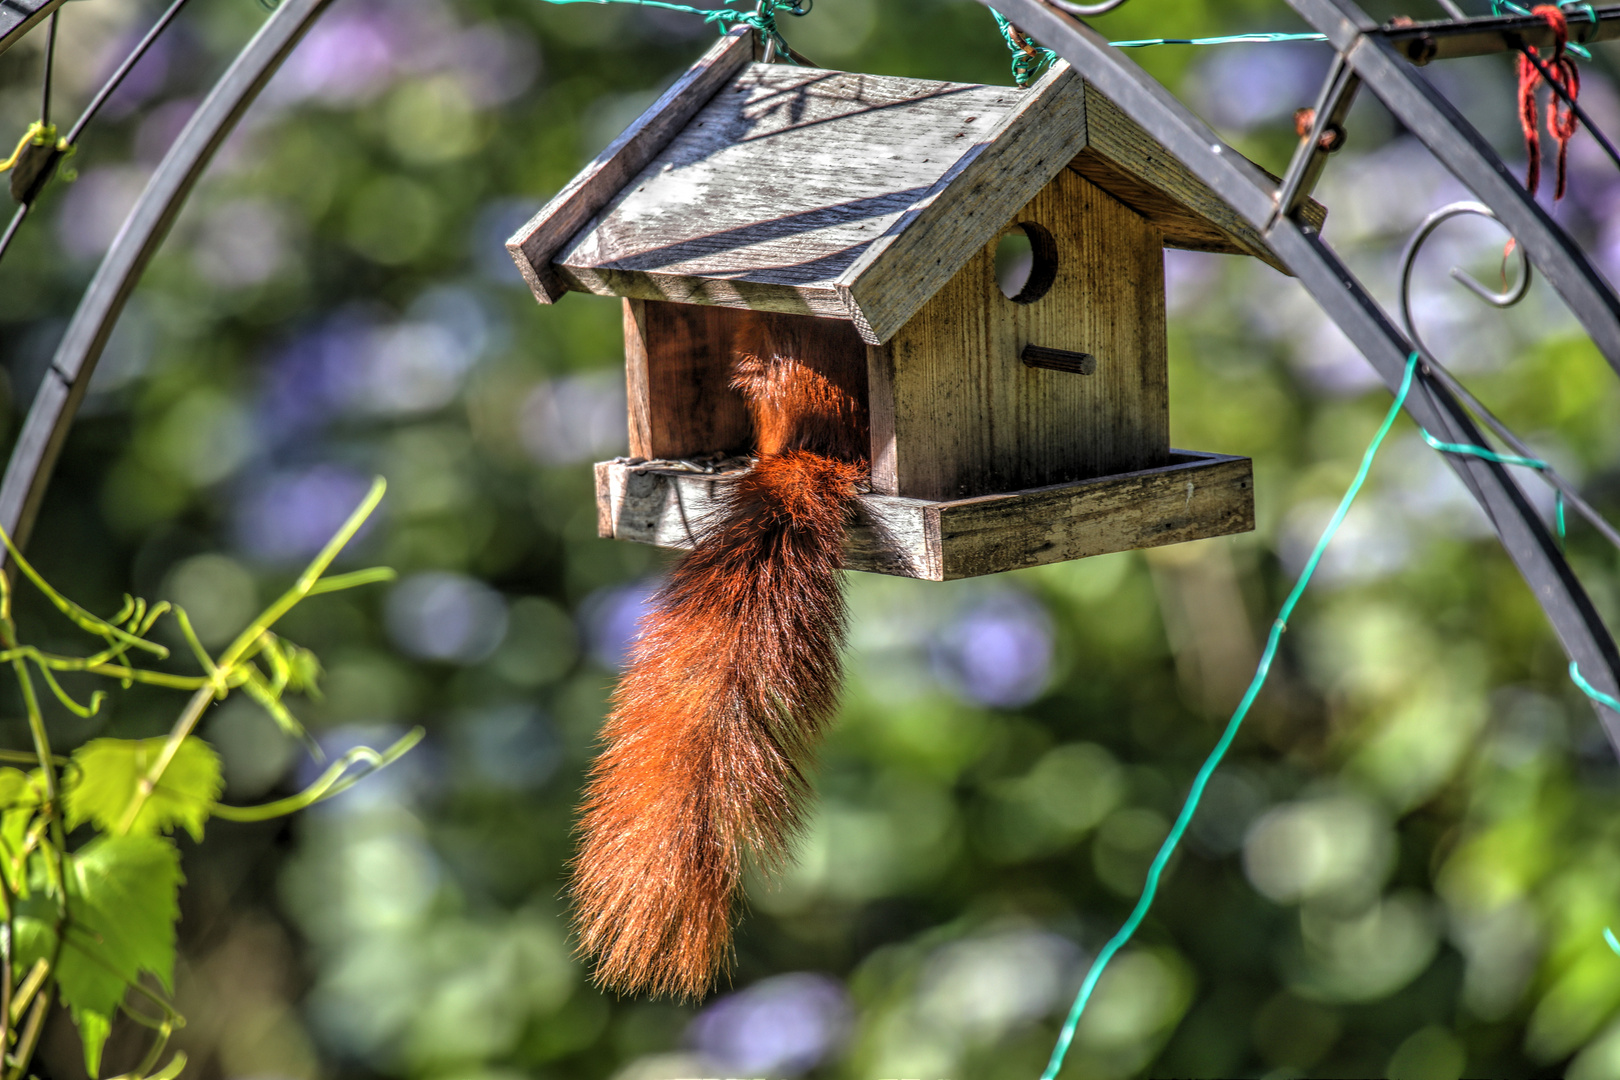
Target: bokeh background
x=1405 y=868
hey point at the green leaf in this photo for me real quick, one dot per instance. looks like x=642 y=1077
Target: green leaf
x=21 y=796
x=304 y=670
x=110 y=769
x=122 y=906
x=93 y=1028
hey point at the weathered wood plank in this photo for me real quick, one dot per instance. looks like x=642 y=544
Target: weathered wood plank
x=957 y=413
x=967 y=206
x=1126 y=162
x=534 y=245
x=671 y=510
x=779 y=184
x=677 y=372
x=719 y=292
x=1196 y=496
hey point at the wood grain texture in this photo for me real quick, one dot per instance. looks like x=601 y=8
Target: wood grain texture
x=956 y=412
x=534 y=245
x=968 y=206
x=1195 y=496
x=719 y=292
x=1126 y=162
x=678 y=365
x=778 y=185
x=677 y=372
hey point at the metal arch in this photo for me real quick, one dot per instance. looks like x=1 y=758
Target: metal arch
x=1253 y=195
x=34 y=457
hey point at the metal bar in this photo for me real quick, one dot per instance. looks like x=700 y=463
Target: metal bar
x=12 y=227
x=1447 y=40
x=1325 y=137
x=1526 y=539
x=117 y=77
x=17 y=17
x=50 y=68
x=49 y=417
x=1453 y=140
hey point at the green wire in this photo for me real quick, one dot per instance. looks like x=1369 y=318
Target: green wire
x=1196 y=793
x=1507 y=7
x=1503 y=459
x=1229 y=39
x=1589 y=690
x=763 y=21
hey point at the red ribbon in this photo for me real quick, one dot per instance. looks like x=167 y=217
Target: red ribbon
x=1561 y=118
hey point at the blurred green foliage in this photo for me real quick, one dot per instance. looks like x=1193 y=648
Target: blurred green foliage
x=1405 y=868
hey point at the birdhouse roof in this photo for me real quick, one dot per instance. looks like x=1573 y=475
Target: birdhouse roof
x=848 y=196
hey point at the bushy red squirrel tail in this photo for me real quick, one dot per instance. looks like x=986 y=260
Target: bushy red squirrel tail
x=726 y=695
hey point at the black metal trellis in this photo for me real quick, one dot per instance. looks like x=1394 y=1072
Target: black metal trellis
x=1385 y=60
x=50 y=416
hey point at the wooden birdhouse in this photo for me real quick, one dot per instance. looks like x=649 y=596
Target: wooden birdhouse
x=859 y=217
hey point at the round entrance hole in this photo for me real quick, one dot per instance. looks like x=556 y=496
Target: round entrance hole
x=1026 y=263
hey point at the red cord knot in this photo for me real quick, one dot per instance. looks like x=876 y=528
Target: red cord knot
x=1561 y=119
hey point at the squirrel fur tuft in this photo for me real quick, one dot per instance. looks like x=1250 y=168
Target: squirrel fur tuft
x=735 y=676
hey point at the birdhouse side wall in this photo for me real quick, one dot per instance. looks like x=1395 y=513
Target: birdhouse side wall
x=957 y=413
x=678 y=364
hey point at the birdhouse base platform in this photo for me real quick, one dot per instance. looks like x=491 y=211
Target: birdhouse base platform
x=1195 y=496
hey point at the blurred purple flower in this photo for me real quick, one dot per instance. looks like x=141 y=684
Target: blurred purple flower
x=159 y=127
x=998 y=652
x=310 y=380
x=610 y=620
x=293 y=514
x=1243 y=86
x=781 y=1026
x=438 y=615
x=497 y=62
x=349 y=57
x=94 y=207
x=574 y=418
x=144 y=80
x=511 y=746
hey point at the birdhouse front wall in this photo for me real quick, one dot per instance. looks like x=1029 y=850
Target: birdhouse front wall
x=957 y=413
x=678 y=364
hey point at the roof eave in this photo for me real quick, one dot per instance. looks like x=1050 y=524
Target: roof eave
x=537 y=242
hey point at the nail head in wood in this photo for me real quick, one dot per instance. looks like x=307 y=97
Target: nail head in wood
x=1077 y=363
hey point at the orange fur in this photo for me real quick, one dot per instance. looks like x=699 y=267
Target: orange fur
x=728 y=690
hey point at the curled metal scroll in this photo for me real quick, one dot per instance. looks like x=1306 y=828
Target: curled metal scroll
x=1504 y=299
x=1086 y=11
